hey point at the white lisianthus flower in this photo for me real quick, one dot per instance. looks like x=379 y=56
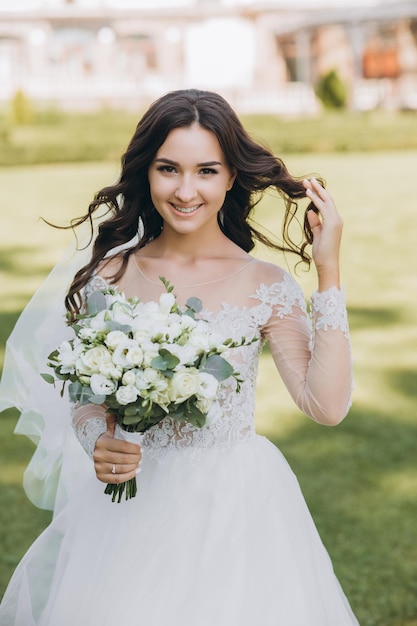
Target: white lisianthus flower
x=101 y=385
x=92 y=359
x=184 y=384
x=166 y=302
x=129 y=378
x=126 y=394
x=114 y=338
x=208 y=385
x=120 y=353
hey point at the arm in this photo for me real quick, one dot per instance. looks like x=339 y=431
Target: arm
x=314 y=361
x=316 y=364
x=95 y=432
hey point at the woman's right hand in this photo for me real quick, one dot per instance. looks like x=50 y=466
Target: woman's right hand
x=115 y=461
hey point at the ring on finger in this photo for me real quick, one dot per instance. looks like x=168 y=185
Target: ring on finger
x=113 y=469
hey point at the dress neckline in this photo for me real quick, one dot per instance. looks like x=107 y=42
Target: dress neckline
x=191 y=286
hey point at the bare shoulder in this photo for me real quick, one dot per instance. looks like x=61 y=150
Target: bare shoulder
x=268 y=273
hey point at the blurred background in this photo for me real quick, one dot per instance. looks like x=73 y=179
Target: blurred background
x=263 y=56
x=331 y=87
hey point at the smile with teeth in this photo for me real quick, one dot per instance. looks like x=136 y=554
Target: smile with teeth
x=186 y=209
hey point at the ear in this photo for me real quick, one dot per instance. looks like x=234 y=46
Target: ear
x=231 y=180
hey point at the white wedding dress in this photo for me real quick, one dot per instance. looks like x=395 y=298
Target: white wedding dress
x=219 y=533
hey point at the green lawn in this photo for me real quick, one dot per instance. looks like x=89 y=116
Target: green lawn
x=359 y=479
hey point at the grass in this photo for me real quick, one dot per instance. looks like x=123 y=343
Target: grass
x=55 y=137
x=359 y=479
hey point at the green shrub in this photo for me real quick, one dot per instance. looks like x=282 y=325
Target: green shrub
x=23 y=111
x=332 y=91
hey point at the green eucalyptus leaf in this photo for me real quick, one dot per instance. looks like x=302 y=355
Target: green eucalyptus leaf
x=218 y=367
x=125 y=328
x=97 y=398
x=48 y=378
x=165 y=360
x=195 y=304
x=96 y=302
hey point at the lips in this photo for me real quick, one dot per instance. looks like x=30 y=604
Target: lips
x=186 y=209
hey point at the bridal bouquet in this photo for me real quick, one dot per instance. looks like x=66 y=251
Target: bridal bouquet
x=144 y=361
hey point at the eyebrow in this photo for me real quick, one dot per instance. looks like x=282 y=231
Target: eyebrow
x=206 y=164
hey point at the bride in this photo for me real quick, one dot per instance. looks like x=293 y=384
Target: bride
x=219 y=533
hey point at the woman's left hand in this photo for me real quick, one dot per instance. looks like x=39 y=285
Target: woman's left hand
x=327 y=226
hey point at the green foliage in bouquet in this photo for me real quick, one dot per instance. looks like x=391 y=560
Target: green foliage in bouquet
x=144 y=362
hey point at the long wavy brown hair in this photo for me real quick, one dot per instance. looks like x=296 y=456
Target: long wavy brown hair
x=129 y=201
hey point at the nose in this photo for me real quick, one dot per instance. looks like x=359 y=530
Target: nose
x=185 y=191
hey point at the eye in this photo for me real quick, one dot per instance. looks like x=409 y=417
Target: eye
x=167 y=169
x=207 y=171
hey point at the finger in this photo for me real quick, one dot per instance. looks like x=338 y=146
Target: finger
x=313 y=220
x=316 y=192
x=115 y=479
x=116 y=458
x=106 y=443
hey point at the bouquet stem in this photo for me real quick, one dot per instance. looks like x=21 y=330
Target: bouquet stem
x=130 y=487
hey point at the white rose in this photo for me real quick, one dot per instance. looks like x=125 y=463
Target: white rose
x=114 y=338
x=150 y=375
x=184 y=384
x=134 y=355
x=160 y=398
x=204 y=404
x=91 y=360
x=101 y=385
x=129 y=378
x=208 y=385
x=126 y=394
x=111 y=371
x=166 y=302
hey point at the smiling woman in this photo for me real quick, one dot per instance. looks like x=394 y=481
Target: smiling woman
x=218 y=513
x=189 y=194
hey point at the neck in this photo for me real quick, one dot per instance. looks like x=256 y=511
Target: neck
x=184 y=247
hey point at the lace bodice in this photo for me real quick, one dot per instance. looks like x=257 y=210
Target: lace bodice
x=311 y=352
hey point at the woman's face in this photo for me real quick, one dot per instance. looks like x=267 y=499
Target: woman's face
x=189 y=178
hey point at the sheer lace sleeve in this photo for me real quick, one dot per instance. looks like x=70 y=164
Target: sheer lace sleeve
x=89 y=422
x=312 y=353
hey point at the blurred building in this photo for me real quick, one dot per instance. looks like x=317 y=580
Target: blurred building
x=262 y=56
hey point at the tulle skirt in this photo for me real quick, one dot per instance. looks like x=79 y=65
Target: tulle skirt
x=220 y=538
